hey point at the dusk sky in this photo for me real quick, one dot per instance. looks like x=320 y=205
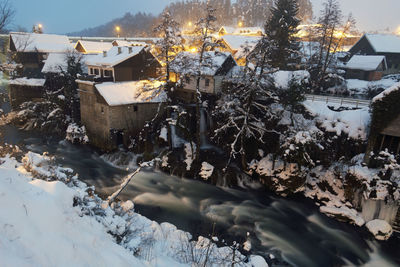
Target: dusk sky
x=62 y=16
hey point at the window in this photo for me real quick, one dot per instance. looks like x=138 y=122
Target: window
x=108 y=73
x=207 y=82
x=187 y=79
x=102 y=110
x=91 y=71
x=96 y=72
x=135 y=108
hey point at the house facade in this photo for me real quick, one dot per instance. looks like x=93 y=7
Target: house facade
x=184 y=69
x=380 y=45
x=369 y=68
x=114 y=112
x=124 y=64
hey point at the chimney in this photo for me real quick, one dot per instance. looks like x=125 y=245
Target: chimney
x=119 y=50
x=104 y=53
x=130 y=49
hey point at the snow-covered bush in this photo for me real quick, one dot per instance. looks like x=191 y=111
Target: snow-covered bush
x=76 y=134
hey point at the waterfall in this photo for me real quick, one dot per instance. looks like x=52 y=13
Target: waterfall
x=378 y=209
x=203 y=128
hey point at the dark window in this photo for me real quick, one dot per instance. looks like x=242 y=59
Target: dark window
x=207 y=82
x=108 y=73
x=135 y=108
x=96 y=71
x=187 y=79
x=102 y=109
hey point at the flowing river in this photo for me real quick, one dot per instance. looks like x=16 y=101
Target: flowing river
x=292 y=229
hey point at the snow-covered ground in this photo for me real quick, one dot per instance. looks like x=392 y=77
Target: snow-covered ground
x=45 y=222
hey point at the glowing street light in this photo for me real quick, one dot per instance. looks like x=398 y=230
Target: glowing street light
x=240 y=24
x=40 y=26
x=117 y=29
x=190 y=24
x=193 y=49
x=398 y=30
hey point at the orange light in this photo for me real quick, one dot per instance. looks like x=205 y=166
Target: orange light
x=117 y=28
x=240 y=24
x=193 y=49
x=398 y=30
x=40 y=26
x=190 y=24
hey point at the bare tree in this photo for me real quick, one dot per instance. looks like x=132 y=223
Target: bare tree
x=7 y=13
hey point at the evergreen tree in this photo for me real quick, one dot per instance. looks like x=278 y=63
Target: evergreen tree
x=280 y=30
x=171 y=41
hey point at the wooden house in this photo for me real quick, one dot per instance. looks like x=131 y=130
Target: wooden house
x=31 y=49
x=239 y=46
x=92 y=47
x=380 y=45
x=114 y=112
x=215 y=67
x=369 y=68
x=124 y=64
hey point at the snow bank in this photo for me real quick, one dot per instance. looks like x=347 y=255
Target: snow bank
x=282 y=78
x=380 y=229
x=355 y=123
x=385 y=93
x=28 y=82
x=40 y=227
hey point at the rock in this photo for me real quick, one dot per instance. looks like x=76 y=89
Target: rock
x=343 y=214
x=380 y=229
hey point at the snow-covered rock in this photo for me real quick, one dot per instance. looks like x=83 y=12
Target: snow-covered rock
x=380 y=229
x=206 y=170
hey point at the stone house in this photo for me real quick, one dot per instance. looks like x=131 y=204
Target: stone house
x=92 y=47
x=122 y=63
x=380 y=45
x=369 y=68
x=215 y=67
x=31 y=49
x=114 y=112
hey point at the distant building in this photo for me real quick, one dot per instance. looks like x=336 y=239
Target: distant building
x=380 y=44
x=239 y=46
x=124 y=64
x=249 y=31
x=31 y=49
x=128 y=43
x=369 y=68
x=92 y=47
x=114 y=112
x=184 y=68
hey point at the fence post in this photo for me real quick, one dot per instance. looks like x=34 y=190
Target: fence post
x=357 y=103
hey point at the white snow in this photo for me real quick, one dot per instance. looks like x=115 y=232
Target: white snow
x=343 y=212
x=57 y=63
x=388 y=91
x=125 y=93
x=282 y=78
x=128 y=43
x=44 y=43
x=206 y=170
x=187 y=63
x=355 y=123
x=237 y=43
x=366 y=63
x=361 y=87
x=113 y=57
x=164 y=134
x=189 y=155
x=380 y=229
x=384 y=43
x=28 y=82
x=92 y=47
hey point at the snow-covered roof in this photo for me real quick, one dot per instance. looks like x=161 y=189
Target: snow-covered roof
x=125 y=93
x=248 y=30
x=227 y=29
x=92 y=47
x=239 y=42
x=114 y=56
x=366 y=63
x=56 y=63
x=395 y=87
x=128 y=43
x=44 y=43
x=187 y=63
x=384 y=43
x=28 y=82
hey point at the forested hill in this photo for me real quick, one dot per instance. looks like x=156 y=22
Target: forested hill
x=249 y=12
x=140 y=24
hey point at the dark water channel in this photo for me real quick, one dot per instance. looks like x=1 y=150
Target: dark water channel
x=292 y=229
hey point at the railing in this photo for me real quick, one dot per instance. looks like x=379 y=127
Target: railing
x=97 y=79
x=342 y=101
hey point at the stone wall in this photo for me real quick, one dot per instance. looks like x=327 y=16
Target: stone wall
x=19 y=94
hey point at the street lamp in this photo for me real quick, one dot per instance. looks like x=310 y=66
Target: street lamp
x=117 y=29
x=240 y=24
x=190 y=24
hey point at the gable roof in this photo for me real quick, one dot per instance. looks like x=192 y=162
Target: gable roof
x=113 y=57
x=227 y=29
x=35 y=42
x=187 y=63
x=382 y=43
x=56 y=63
x=366 y=63
x=125 y=93
x=128 y=43
x=239 y=43
x=92 y=47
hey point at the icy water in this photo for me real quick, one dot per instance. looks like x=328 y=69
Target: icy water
x=292 y=229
